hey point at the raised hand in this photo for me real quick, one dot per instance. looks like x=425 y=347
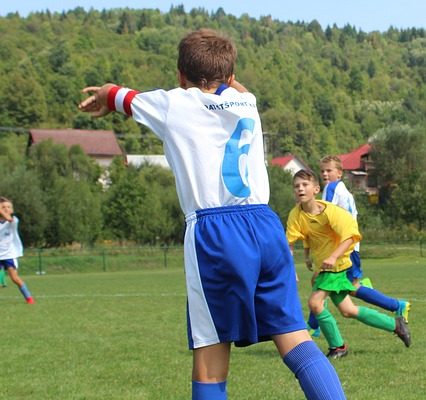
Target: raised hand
x=96 y=103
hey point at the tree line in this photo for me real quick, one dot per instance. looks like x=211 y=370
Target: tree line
x=59 y=197
x=320 y=91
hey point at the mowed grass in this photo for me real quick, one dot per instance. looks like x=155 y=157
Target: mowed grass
x=122 y=335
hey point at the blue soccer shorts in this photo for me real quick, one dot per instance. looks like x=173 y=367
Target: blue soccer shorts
x=240 y=277
x=9 y=263
x=355 y=272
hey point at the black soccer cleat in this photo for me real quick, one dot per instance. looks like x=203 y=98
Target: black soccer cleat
x=337 y=352
x=402 y=331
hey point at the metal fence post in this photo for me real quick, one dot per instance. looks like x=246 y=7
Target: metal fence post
x=165 y=249
x=104 y=260
x=40 y=263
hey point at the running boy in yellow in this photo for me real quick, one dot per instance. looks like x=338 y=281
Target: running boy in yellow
x=329 y=234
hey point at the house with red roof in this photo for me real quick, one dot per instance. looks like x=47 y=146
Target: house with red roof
x=356 y=166
x=101 y=145
x=289 y=163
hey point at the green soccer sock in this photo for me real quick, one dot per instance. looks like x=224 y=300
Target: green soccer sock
x=376 y=319
x=330 y=329
x=2 y=277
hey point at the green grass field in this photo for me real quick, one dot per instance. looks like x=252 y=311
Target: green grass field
x=122 y=335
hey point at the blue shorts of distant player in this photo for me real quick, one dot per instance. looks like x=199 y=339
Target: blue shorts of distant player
x=10 y=263
x=355 y=272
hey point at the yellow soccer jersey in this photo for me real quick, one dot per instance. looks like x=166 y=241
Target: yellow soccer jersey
x=322 y=233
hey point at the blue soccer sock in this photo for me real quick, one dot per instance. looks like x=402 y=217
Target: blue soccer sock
x=208 y=391
x=312 y=321
x=316 y=375
x=377 y=298
x=25 y=292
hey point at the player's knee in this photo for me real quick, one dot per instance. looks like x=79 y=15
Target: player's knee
x=315 y=306
x=348 y=312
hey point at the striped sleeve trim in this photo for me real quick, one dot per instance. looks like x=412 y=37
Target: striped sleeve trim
x=111 y=97
x=120 y=99
x=128 y=101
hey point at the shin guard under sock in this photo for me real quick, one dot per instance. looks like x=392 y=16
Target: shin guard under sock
x=317 y=377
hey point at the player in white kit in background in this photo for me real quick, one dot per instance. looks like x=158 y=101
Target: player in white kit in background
x=11 y=247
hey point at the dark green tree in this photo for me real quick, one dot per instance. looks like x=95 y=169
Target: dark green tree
x=356 y=83
x=398 y=152
x=50 y=161
x=68 y=179
x=59 y=56
x=170 y=221
x=22 y=100
x=325 y=109
x=12 y=152
x=407 y=202
x=399 y=167
x=23 y=188
x=131 y=210
x=75 y=214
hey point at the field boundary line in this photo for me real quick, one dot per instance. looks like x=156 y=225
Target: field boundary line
x=94 y=295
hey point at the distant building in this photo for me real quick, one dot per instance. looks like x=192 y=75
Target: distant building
x=357 y=165
x=289 y=163
x=139 y=159
x=100 y=145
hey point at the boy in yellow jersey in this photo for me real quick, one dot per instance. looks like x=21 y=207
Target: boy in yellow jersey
x=336 y=192
x=329 y=234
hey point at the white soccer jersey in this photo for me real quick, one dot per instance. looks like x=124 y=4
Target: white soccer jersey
x=213 y=142
x=337 y=193
x=10 y=243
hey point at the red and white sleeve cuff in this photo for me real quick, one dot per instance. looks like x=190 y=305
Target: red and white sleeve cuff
x=120 y=99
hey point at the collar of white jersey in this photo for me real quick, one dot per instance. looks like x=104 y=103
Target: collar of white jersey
x=221 y=88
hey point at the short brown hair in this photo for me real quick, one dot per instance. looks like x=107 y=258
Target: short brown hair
x=4 y=200
x=331 y=158
x=306 y=174
x=206 y=58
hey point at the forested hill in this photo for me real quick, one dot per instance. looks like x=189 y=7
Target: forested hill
x=319 y=90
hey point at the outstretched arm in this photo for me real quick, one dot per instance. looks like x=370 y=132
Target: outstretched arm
x=97 y=103
x=232 y=82
x=238 y=86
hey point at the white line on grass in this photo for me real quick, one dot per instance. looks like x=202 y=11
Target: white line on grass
x=110 y=295
x=142 y=294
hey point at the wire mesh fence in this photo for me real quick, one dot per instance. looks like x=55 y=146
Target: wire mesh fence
x=65 y=260
x=123 y=258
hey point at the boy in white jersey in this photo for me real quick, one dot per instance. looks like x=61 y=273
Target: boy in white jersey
x=11 y=246
x=329 y=234
x=239 y=272
x=335 y=191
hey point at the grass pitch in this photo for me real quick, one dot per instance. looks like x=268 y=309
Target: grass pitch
x=122 y=335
